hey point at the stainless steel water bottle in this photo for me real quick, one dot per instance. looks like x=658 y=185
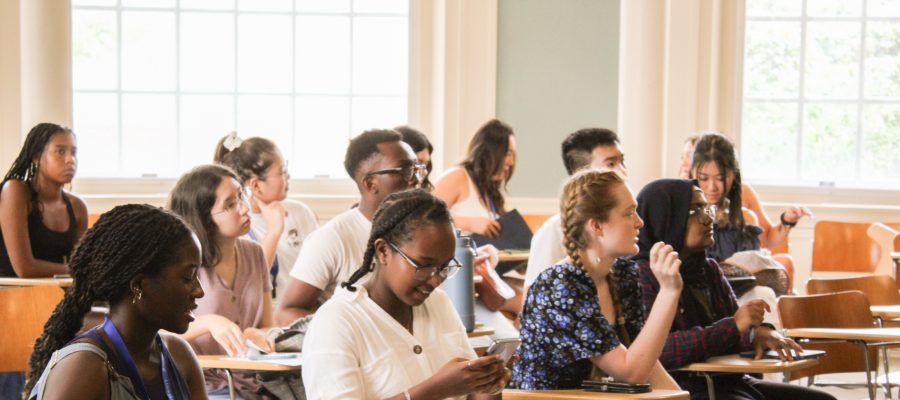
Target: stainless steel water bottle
x=460 y=287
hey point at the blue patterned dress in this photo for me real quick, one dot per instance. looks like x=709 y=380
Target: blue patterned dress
x=562 y=327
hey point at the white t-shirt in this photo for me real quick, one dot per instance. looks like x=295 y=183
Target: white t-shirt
x=299 y=222
x=355 y=350
x=333 y=252
x=546 y=249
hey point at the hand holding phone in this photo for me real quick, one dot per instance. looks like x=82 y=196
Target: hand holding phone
x=505 y=348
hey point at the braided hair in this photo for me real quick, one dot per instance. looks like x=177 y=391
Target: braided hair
x=398 y=216
x=589 y=195
x=484 y=160
x=126 y=241
x=193 y=198
x=24 y=168
x=252 y=158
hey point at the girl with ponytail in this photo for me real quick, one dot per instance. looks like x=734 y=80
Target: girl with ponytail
x=143 y=261
x=580 y=315
x=397 y=336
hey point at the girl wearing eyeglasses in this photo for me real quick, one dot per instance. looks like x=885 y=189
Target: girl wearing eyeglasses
x=234 y=273
x=709 y=321
x=278 y=224
x=397 y=336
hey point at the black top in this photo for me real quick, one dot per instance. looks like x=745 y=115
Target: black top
x=730 y=240
x=46 y=244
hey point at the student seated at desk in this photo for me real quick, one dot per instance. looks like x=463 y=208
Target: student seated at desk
x=398 y=336
x=39 y=222
x=234 y=274
x=709 y=322
x=144 y=262
x=580 y=314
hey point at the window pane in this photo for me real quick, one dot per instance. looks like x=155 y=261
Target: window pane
x=323 y=131
x=266 y=5
x=881 y=143
x=377 y=112
x=829 y=142
x=323 y=66
x=96 y=128
x=769 y=140
x=149 y=3
x=148 y=50
x=772 y=59
x=380 y=46
x=834 y=8
x=832 y=59
x=773 y=8
x=334 y=6
x=148 y=132
x=883 y=8
x=94 y=50
x=883 y=59
x=207 y=52
x=381 y=6
x=207 y=4
x=264 y=48
x=204 y=120
x=93 y=3
x=269 y=117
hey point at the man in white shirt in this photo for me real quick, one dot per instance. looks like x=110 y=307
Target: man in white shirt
x=596 y=148
x=380 y=163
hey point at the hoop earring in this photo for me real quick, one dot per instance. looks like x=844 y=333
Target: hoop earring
x=136 y=296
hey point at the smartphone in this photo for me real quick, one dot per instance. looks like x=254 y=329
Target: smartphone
x=504 y=347
x=615 y=387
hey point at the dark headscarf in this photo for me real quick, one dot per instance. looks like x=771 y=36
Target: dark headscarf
x=665 y=206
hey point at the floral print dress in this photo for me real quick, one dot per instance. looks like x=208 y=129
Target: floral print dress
x=562 y=327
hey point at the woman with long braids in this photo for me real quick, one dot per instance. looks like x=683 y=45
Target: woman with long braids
x=581 y=314
x=39 y=221
x=397 y=337
x=143 y=261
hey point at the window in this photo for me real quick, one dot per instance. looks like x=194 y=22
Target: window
x=156 y=83
x=822 y=92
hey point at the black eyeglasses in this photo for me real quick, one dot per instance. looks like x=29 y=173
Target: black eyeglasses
x=407 y=173
x=701 y=211
x=425 y=273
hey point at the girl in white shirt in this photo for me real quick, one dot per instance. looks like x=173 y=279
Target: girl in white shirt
x=397 y=337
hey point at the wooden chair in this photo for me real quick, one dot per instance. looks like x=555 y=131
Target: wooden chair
x=834 y=310
x=888 y=240
x=880 y=290
x=845 y=247
x=535 y=221
x=23 y=313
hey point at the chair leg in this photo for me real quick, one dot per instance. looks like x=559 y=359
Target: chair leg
x=869 y=384
x=887 y=372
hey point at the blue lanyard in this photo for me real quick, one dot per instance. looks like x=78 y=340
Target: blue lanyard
x=274 y=269
x=128 y=363
x=484 y=197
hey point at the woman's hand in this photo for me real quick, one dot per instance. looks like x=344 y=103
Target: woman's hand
x=768 y=339
x=460 y=376
x=258 y=337
x=228 y=335
x=487 y=254
x=485 y=227
x=750 y=314
x=793 y=214
x=273 y=214
x=665 y=265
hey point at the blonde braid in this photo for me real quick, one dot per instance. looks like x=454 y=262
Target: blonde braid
x=586 y=195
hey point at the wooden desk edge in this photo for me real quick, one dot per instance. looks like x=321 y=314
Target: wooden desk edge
x=863 y=334
x=514 y=394
x=23 y=282
x=481 y=331
x=750 y=368
x=223 y=362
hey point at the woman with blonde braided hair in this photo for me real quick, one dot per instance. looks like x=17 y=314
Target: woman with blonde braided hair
x=580 y=314
x=396 y=336
x=143 y=261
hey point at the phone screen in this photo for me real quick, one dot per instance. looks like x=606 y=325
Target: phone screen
x=504 y=347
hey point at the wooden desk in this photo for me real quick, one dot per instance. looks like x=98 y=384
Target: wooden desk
x=734 y=363
x=481 y=330
x=514 y=394
x=22 y=282
x=886 y=312
x=513 y=255
x=227 y=364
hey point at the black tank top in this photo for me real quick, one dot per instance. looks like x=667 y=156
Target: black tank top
x=46 y=244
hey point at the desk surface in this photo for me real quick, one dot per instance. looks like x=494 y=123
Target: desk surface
x=481 y=330
x=886 y=312
x=736 y=363
x=225 y=362
x=866 y=334
x=513 y=394
x=19 y=282
x=513 y=255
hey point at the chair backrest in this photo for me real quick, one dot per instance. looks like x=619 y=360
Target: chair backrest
x=887 y=239
x=845 y=247
x=23 y=313
x=535 y=221
x=834 y=310
x=880 y=290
